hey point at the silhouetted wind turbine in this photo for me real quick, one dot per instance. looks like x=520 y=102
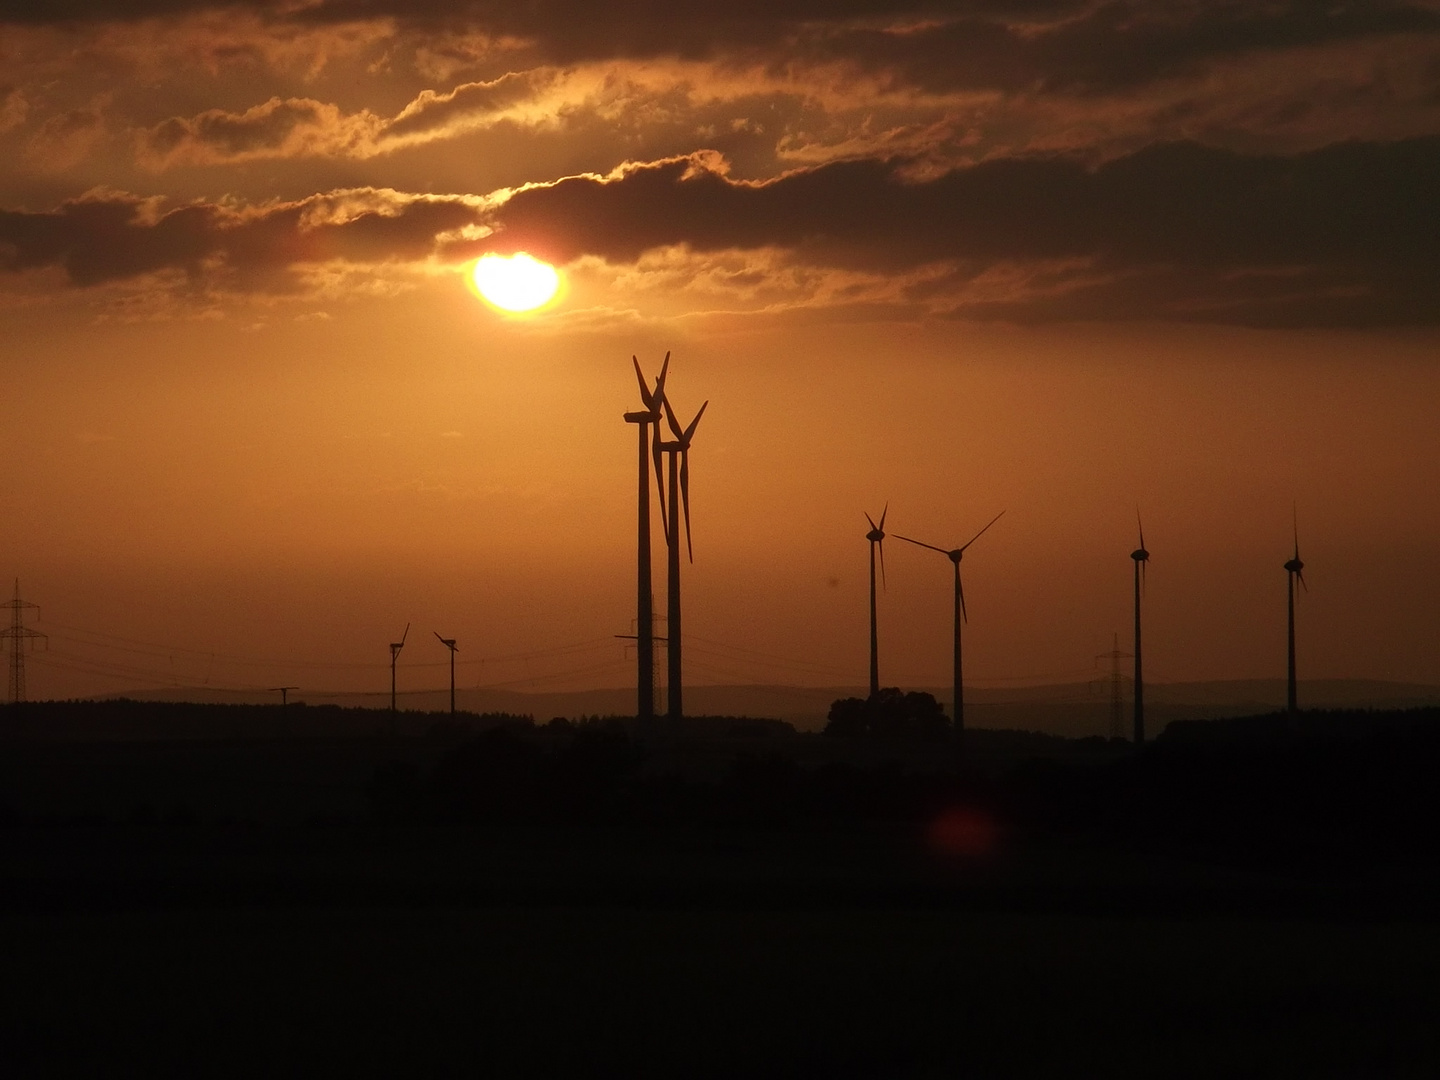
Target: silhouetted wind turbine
x=679 y=452
x=395 y=647
x=1294 y=572
x=449 y=643
x=955 y=555
x=1141 y=557
x=647 y=422
x=876 y=536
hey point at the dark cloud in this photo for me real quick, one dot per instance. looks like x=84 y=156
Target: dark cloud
x=1005 y=44
x=1358 y=220
x=1112 y=46
x=225 y=135
x=114 y=236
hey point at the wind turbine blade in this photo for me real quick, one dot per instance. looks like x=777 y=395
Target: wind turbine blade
x=439 y=638
x=660 y=379
x=644 y=387
x=870 y=520
x=1300 y=575
x=405 y=634
x=685 y=498
x=981 y=533
x=919 y=543
x=881 y=544
x=675 y=427
x=690 y=431
x=882 y=517
x=960 y=584
x=1295 y=527
x=658 y=455
x=1141 y=527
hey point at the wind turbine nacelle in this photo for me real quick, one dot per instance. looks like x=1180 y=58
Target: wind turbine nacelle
x=1140 y=555
x=1294 y=566
x=875 y=536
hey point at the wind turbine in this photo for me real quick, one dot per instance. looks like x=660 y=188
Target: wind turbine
x=395 y=647
x=876 y=536
x=679 y=453
x=955 y=555
x=1141 y=557
x=449 y=643
x=647 y=422
x=1294 y=572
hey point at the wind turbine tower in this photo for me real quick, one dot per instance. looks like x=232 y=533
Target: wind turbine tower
x=1294 y=573
x=954 y=555
x=679 y=455
x=1141 y=557
x=449 y=643
x=647 y=422
x=395 y=647
x=19 y=634
x=876 y=536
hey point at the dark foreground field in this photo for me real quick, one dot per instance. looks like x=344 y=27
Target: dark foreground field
x=1240 y=899
x=567 y=991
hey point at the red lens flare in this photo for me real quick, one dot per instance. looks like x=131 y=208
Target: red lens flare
x=964 y=831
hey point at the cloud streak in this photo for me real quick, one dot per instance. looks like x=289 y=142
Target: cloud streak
x=106 y=237
x=304 y=127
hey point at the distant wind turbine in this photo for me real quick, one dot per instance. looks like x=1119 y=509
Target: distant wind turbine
x=679 y=454
x=1294 y=572
x=647 y=421
x=955 y=555
x=876 y=536
x=1141 y=557
x=395 y=647
x=449 y=643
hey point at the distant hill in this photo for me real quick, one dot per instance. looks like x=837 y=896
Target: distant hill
x=1072 y=709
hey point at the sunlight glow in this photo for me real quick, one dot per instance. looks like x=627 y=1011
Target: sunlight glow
x=517 y=283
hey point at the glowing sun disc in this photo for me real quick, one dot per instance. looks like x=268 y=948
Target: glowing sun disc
x=520 y=282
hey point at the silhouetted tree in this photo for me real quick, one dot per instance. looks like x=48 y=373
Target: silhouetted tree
x=889 y=713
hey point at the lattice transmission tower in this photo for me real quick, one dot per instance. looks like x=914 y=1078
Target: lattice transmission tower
x=19 y=635
x=1117 y=688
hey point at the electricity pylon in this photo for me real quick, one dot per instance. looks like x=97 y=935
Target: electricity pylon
x=1117 y=687
x=18 y=632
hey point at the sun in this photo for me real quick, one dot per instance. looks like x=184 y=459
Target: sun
x=519 y=282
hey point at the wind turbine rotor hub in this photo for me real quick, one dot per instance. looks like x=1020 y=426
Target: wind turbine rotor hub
x=1140 y=555
x=1294 y=566
x=956 y=555
x=875 y=536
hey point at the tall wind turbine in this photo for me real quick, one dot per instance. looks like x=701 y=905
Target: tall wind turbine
x=395 y=647
x=1294 y=572
x=449 y=643
x=876 y=536
x=955 y=555
x=647 y=422
x=1141 y=557
x=679 y=454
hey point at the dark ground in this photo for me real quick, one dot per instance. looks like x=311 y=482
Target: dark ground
x=1243 y=898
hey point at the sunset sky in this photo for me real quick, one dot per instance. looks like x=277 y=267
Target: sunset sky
x=1061 y=259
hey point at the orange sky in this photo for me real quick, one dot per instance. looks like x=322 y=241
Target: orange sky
x=257 y=421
